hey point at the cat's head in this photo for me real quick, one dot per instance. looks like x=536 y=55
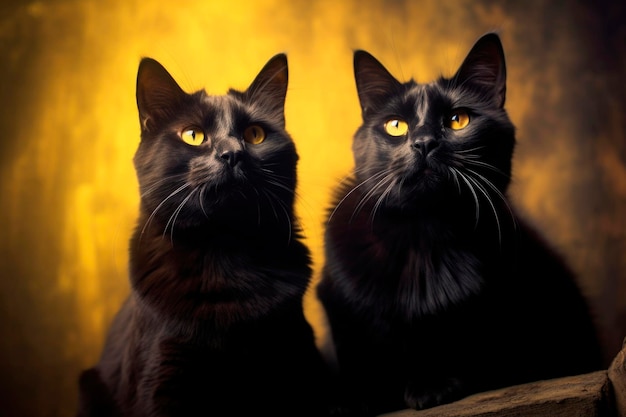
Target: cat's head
x=434 y=143
x=214 y=158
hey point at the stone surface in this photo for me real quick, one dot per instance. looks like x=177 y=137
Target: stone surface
x=587 y=395
x=617 y=376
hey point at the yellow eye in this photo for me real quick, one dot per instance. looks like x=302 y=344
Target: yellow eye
x=458 y=120
x=254 y=134
x=396 y=127
x=192 y=136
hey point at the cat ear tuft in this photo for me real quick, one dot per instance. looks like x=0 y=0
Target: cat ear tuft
x=484 y=67
x=158 y=94
x=373 y=82
x=269 y=88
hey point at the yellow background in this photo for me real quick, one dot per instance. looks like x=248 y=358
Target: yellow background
x=69 y=128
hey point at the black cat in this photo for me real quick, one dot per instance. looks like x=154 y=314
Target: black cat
x=214 y=324
x=433 y=286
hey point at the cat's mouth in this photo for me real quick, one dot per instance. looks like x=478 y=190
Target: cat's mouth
x=421 y=173
x=422 y=179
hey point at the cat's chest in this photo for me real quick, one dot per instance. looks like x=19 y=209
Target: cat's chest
x=402 y=253
x=406 y=270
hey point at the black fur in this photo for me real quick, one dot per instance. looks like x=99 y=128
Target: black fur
x=214 y=323
x=434 y=287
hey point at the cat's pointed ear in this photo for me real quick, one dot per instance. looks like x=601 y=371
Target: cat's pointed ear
x=373 y=82
x=269 y=88
x=484 y=68
x=158 y=94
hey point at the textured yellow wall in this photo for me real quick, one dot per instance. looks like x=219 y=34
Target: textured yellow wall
x=69 y=128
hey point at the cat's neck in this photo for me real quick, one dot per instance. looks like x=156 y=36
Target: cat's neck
x=426 y=225
x=229 y=228
x=214 y=248
x=216 y=275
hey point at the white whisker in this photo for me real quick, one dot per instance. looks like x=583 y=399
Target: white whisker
x=471 y=188
x=470 y=161
x=201 y=198
x=156 y=185
x=498 y=193
x=174 y=216
x=382 y=197
x=477 y=148
x=373 y=177
x=273 y=198
x=172 y=194
x=387 y=179
x=456 y=179
x=482 y=189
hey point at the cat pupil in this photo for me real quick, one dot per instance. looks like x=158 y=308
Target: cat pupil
x=254 y=134
x=396 y=127
x=459 y=120
x=192 y=136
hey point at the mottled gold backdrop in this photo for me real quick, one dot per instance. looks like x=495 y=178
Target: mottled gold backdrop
x=69 y=128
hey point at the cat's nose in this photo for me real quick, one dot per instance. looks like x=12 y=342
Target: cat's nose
x=425 y=144
x=231 y=157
